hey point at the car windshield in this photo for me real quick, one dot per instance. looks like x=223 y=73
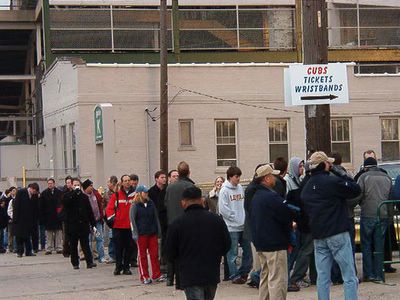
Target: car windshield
x=393 y=170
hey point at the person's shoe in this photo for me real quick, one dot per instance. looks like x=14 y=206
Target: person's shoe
x=92 y=265
x=35 y=251
x=147 y=281
x=239 y=280
x=302 y=284
x=127 y=272
x=3 y=250
x=102 y=261
x=47 y=253
x=390 y=269
x=162 y=278
x=19 y=255
x=252 y=284
x=30 y=254
x=59 y=252
x=117 y=272
x=110 y=261
x=293 y=288
x=134 y=264
x=76 y=267
x=170 y=282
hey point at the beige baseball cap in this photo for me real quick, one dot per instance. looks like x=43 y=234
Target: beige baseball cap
x=266 y=170
x=319 y=157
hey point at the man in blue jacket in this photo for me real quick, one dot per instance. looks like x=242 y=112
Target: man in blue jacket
x=324 y=198
x=270 y=226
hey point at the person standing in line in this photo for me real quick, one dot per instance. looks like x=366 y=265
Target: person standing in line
x=197 y=239
x=271 y=225
x=173 y=176
x=3 y=223
x=96 y=202
x=173 y=197
x=212 y=197
x=120 y=204
x=133 y=181
x=25 y=217
x=112 y=187
x=146 y=228
x=157 y=195
x=325 y=204
x=79 y=222
x=49 y=210
x=12 y=244
x=68 y=187
x=231 y=208
x=376 y=187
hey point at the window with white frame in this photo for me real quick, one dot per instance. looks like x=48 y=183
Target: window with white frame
x=64 y=147
x=186 y=133
x=390 y=138
x=226 y=139
x=72 y=135
x=341 y=138
x=278 y=139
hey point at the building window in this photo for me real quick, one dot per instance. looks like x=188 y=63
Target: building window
x=341 y=139
x=278 y=139
x=226 y=143
x=72 y=135
x=64 y=147
x=185 y=133
x=390 y=139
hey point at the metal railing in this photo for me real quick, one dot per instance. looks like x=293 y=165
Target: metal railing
x=379 y=253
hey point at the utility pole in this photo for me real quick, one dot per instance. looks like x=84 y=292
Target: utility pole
x=163 y=87
x=315 y=51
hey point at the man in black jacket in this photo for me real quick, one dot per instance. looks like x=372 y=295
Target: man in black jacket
x=270 y=227
x=79 y=223
x=197 y=239
x=325 y=204
x=49 y=210
x=25 y=217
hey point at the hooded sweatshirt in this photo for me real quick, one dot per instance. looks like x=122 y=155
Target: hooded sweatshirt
x=293 y=176
x=230 y=206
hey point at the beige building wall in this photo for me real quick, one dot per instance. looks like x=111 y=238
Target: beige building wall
x=132 y=139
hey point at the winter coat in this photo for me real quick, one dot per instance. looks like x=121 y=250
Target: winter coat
x=270 y=221
x=212 y=201
x=324 y=197
x=231 y=206
x=173 y=197
x=124 y=203
x=144 y=219
x=49 y=208
x=78 y=212
x=376 y=186
x=158 y=197
x=197 y=240
x=25 y=214
x=248 y=197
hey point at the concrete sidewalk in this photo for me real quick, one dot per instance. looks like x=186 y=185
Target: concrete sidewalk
x=52 y=277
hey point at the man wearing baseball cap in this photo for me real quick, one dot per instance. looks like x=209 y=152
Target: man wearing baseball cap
x=324 y=199
x=270 y=227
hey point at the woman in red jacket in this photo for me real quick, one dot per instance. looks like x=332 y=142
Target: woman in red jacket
x=120 y=204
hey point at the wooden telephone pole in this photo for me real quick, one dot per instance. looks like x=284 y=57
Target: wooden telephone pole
x=163 y=87
x=315 y=51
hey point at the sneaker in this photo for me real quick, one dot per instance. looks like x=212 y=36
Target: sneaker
x=92 y=265
x=293 y=288
x=302 y=284
x=147 y=281
x=252 y=284
x=102 y=261
x=127 y=272
x=239 y=280
x=162 y=278
x=110 y=261
x=47 y=253
x=76 y=267
x=59 y=252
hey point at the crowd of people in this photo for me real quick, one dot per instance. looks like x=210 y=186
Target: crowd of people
x=293 y=226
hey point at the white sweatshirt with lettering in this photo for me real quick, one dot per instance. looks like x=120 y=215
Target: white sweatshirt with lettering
x=230 y=205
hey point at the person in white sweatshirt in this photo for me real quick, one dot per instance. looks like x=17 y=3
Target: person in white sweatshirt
x=230 y=206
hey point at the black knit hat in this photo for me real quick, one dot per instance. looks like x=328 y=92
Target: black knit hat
x=86 y=184
x=370 y=162
x=192 y=193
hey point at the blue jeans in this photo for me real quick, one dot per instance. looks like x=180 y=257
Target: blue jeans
x=99 y=241
x=200 y=292
x=231 y=256
x=338 y=248
x=111 y=246
x=372 y=240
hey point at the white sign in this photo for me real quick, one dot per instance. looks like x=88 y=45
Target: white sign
x=316 y=84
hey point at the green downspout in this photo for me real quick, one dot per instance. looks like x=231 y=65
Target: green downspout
x=49 y=57
x=175 y=30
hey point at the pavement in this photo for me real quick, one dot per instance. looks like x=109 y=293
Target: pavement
x=52 y=277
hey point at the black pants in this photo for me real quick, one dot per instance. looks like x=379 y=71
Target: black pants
x=173 y=271
x=206 y=292
x=123 y=248
x=24 y=242
x=35 y=238
x=390 y=243
x=84 y=241
x=65 y=237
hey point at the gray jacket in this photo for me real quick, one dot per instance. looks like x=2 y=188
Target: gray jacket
x=375 y=187
x=173 y=197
